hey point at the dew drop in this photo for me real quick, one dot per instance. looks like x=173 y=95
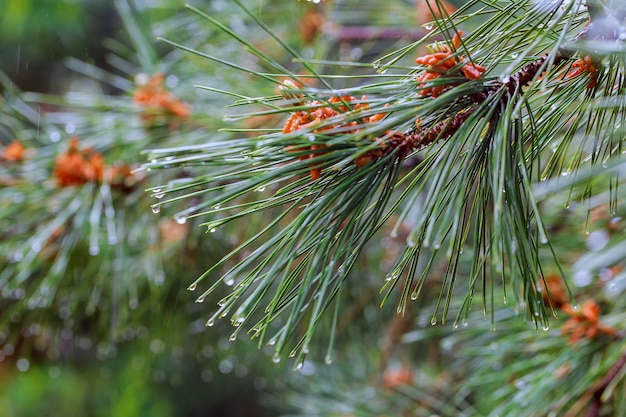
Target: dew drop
x=192 y=287
x=276 y=359
x=94 y=250
x=414 y=296
x=433 y=321
x=22 y=364
x=216 y=207
x=210 y=322
x=514 y=55
x=180 y=219
x=299 y=366
x=200 y=299
x=212 y=230
x=156 y=208
x=233 y=337
x=545 y=327
x=272 y=341
x=14 y=257
x=582 y=278
x=328 y=360
x=36 y=246
x=260 y=189
x=428 y=26
x=229 y=282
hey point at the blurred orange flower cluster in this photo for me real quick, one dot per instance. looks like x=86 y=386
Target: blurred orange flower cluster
x=441 y=60
x=155 y=98
x=78 y=166
x=393 y=378
x=313 y=117
x=13 y=152
x=584 y=322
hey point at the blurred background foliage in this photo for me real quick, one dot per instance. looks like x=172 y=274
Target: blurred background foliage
x=111 y=330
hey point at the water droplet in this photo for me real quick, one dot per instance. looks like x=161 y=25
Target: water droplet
x=22 y=364
x=514 y=55
x=210 y=322
x=410 y=243
x=233 y=337
x=229 y=282
x=597 y=240
x=428 y=26
x=15 y=257
x=299 y=366
x=216 y=207
x=433 y=321
x=276 y=359
x=575 y=306
x=159 y=195
x=36 y=246
x=212 y=230
x=156 y=208
x=272 y=341
x=582 y=278
x=260 y=189
x=414 y=296
x=192 y=287
x=545 y=327
x=94 y=250
x=200 y=299
x=180 y=219
x=171 y=81
x=328 y=360
x=292 y=353
x=55 y=136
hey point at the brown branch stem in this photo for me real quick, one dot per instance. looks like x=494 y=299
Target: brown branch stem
x=596 y=405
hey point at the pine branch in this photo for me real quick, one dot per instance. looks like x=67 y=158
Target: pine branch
x=336 y=171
